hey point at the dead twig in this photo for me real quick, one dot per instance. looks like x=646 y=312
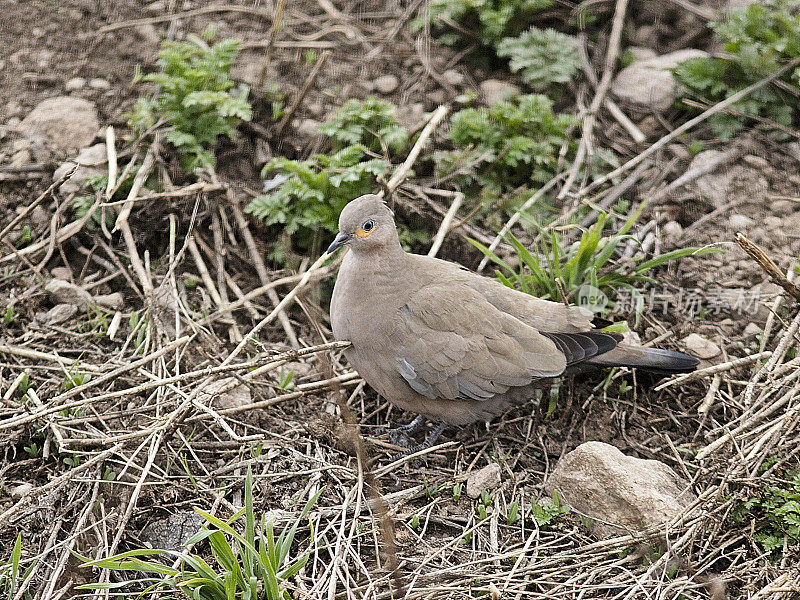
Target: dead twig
x=766 y=263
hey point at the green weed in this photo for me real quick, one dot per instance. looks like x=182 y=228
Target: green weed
x=250 y=565
x=196 y=98
x=776 y=515
x=756 y=41
x=541 y=56
x=371 y=123
x=509 y=145
x=586 y=262
x=544 y=515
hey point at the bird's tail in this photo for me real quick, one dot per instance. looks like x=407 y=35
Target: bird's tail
x=655 y=360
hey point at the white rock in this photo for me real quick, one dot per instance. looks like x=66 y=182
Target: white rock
x=61 y=273
x=773 y=222
x=386 y=84
x=69 y=122
x=486 y=478
x=700 y=346
x=20 y=158
x=649 y=83
x=622 y=493
x=737 y=221
x=75 y=84
x=494 y=90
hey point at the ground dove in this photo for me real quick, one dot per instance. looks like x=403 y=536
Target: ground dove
x=436 y=339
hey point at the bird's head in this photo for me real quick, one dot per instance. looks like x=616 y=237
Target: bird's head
x=366 y=224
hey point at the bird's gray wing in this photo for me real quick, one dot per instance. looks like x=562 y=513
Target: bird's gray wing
x=453 y=343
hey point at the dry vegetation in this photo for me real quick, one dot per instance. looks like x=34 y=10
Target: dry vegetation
x=217 y=355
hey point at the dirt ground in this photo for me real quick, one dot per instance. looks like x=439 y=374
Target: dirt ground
x=121 y=463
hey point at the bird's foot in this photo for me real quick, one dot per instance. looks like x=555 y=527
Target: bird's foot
x=430 y=440
x=399 y=434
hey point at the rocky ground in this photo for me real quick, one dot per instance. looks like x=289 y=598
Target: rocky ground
x=120 y=413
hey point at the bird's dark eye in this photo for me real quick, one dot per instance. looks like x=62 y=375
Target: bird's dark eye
x=368 y=225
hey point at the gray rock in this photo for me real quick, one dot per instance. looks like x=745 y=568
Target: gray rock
x=649 y=83
x=58 y=314
x=20 y=158
x=752 y=330
x=486 y=478
x=233 y=398
x=171 y=532
x=700 y=346
x=64 y=292
x=91 y=162
x=621 y=493
x=61 y=273
x=75 y=84
x=69 y=122
x=773 y=222
x=410 y=115
x=386 y=84
x=494 y=90
x=713 y=186
x=738 y=4
x=757 y=162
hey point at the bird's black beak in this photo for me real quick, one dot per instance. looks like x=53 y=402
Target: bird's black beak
x=340 y=240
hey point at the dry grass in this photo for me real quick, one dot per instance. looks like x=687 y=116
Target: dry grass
x=157 y=402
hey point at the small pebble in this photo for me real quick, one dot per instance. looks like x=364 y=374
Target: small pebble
x=757 y=162
x=99 y=83
x=700 y=346
x=486 y=478
x=740 y=222
x=386 y=84
x=75 y=84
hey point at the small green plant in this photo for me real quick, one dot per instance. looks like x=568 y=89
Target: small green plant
x=776 y=512
x=510 y=144
x=312 y=193
x=545 y=514
x=26 y=237
x=555 y=267
x=285 y=379
x=458 y=489
x=541 y=56
x=10 y=575
x=33 y=450
x=513 y=514
x=10 y=315
x=371 y=123
x=757 y=41
x=75 y=378
x=413 y=523
x=72 y=461
x=196 y=97
x=250 y=565
x=490 y=20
